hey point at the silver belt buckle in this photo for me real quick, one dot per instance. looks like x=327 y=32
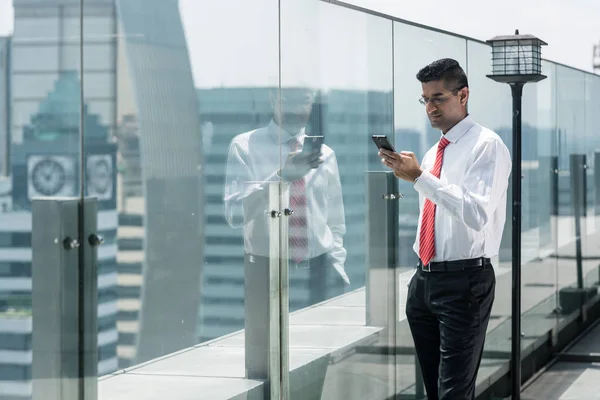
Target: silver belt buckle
x=426 y=268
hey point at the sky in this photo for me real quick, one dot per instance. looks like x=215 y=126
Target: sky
x=233 y=43
x=316 y=35
x=571 y=28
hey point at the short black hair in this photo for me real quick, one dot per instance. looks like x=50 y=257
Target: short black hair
x=447 y=70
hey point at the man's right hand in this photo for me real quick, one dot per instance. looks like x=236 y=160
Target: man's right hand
x=298 y=164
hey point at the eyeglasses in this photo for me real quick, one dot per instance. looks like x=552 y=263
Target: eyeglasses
x=437 y=101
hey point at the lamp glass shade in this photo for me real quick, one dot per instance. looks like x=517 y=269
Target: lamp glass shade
x=516 y=55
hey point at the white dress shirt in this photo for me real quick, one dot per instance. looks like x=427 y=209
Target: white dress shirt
x=470 y=195
x=254 y=159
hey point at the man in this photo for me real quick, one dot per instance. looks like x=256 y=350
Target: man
x=274 y=154
x=462 y=185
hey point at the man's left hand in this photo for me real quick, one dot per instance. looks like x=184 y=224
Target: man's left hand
x=404 y=164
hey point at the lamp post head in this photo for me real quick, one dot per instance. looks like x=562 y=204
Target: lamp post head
x=516 y=58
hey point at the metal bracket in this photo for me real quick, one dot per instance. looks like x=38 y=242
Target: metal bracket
x=95 y=240
x=275 y=214
x=578 y=357
x=392 y=196
x=70 y=244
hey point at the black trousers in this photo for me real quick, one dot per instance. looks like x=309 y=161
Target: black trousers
x=448 y=314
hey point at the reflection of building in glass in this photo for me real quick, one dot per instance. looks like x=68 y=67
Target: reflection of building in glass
x=5 y=63
x=46 y=163
x=158 y=184
x=129 y=163
x=44 y=127
x=156 y=85
x=229 y=113
x=130 y=236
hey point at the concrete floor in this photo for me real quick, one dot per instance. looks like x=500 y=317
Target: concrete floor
x=330 y=332
x=570 y=380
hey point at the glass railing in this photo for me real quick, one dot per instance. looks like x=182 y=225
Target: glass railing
x=169 y=113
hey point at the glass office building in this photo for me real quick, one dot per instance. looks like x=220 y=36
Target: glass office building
x=5 y=63
x=159 y=114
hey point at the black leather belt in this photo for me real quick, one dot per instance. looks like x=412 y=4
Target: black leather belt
x=455 y=265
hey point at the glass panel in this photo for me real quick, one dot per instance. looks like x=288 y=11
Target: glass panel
x=183 y=141
x=540 y=278
x=571 y=113
x=35 y=85
x=100 y=158
x=21 y=113
x=194 y=150
x=39 y=154
x=592 y=151
x=5 y=103
x=350 y=69
x=100 y=85
x=593 y=119
x=538 y=243
x=237 y=100
x=547 y=155
x=104 y=109
x=529 y=167
x=28 y=29
x=97 y=27
x=414 y=48
x=97 y=56
x=22 y=56
x=490 y=103
x=135 y=273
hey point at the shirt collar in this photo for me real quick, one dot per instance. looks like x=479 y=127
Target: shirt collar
x=458 y=130
x=280 y=135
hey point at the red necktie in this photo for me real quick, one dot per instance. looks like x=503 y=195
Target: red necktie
x=298 y=231
x=427 y=234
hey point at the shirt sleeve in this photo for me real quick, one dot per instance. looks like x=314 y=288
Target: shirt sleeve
x=244 y=199
x=336 y=220
x=485 y=180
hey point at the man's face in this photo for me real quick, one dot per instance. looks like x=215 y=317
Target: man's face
x=292 y=109
x=445 y=108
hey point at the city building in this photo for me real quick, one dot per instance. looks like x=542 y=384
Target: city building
x=5 y=104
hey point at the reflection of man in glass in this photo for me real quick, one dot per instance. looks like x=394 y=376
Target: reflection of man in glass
x=281 y=151
x=462 y=185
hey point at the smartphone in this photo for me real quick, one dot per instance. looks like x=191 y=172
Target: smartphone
x=382 y=142
x=312 y=144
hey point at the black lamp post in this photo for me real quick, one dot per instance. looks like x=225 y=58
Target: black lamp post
x=516 y=60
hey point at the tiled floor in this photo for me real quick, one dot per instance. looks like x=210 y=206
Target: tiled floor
x=323 y=338
x=570 y=380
